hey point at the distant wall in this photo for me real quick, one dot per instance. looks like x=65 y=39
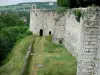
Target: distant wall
x=42 y=19
x=59 y=28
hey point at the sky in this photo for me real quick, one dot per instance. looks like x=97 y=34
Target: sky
x=9 y=2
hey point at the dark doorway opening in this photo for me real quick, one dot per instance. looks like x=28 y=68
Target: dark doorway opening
x=49 y=32
x=41 y=32
x=61 y=41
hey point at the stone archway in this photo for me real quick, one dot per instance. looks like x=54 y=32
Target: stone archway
x=49 y=32
x=41 y=32
x=60 y=40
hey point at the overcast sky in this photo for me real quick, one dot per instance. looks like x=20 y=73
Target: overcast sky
x=8 y=2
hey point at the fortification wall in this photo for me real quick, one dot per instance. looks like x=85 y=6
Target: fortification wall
x=82 y=38
x=88 y=58
x=42 y=19
x=72 y=33
x=59 y=28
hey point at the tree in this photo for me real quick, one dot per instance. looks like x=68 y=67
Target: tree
x=67 y=3
x=62 y=3
x=7 y=20
x=11 y=30
x=8 y=37
x=77 y=3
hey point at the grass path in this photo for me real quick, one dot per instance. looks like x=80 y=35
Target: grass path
x=38 y=55
x=51 y=59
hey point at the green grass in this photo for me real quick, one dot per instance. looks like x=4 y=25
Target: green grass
x=16 y=57
x=61 y=62
x=55 y=58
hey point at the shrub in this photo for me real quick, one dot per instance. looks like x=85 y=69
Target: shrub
x=8 y=37
x=49 y=46
x=7 y=20
x=77 y=3
x=78 y=14
x=60 y=10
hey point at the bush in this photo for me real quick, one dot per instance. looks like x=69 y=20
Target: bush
x=49 y=46
x=7 y=20
x=78 y=14
x=67 y=3
x=8 y=37
x=77 y=3
x=60 y=10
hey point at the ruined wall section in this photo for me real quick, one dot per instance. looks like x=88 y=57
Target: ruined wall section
x=59 y=28
x=72 y=33
x=42 y=19
x=88 y=63
x=97 y=72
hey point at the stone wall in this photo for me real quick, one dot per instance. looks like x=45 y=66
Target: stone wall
x=82 y=38
x=59 y=28
x=98 y=50
x=42 y=19
x=72 y=33
x=88 y=59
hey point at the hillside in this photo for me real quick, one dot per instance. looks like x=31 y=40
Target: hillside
x=27 y=6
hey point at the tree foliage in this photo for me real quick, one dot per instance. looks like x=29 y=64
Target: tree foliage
x=7 y=20
x=11 y=30
x=77 y=3
x=25 y=14
x=8 y=37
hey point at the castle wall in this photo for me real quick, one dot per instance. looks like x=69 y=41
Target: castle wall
x=42 y=19
x=59 y=28
x=88 y=58
x=32 y=20
x=72 y=34
x=97 y=72
x=82 y=38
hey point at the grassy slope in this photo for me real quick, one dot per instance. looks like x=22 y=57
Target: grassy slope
x=16 y=57
x=56 y=60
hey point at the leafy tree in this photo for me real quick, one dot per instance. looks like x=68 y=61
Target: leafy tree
x=90 y=2
x=11 y=30
x=8 y=37
x=7 y=20
x=63 y=3
x=77 y=3
x=25 y=14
